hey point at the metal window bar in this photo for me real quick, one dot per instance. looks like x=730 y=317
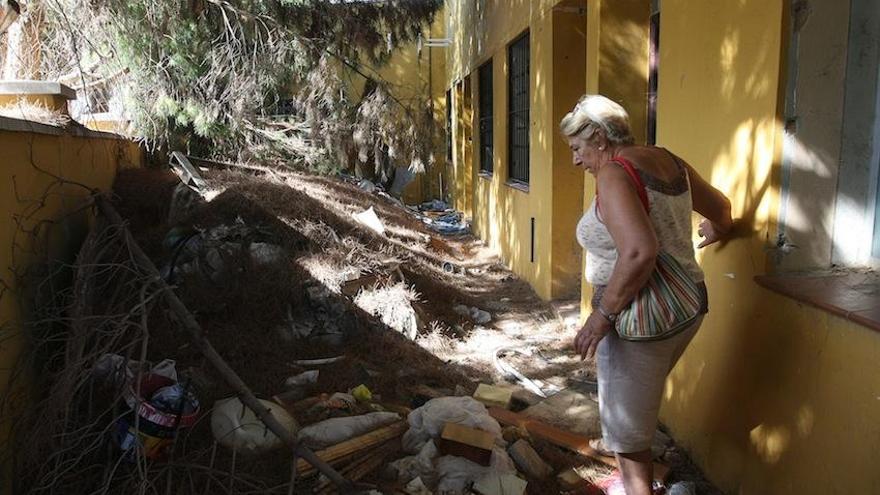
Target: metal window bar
x=653 y=60
x=449 y=125
x=518 y=111
x=486 y=122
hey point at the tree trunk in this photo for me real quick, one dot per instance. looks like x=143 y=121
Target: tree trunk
x=23 y=43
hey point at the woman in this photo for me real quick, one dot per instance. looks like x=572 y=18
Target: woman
x=622 y=240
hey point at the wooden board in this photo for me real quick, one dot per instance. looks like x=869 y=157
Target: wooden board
x=565 y=439
x=348 y=448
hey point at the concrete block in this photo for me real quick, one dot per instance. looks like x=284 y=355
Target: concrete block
x=528 y=461
x=571 y=410
x=26 y=87
x=493 y=396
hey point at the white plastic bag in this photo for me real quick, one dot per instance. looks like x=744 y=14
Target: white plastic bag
x=427 y=421
x=336 y=430
x=235 y=426
x=455 y=473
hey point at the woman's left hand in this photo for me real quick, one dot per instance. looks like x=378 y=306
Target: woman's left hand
x=588 y=337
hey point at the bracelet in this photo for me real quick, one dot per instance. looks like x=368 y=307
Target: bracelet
x=611 y=317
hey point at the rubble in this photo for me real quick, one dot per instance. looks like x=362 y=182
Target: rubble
x=238 y=262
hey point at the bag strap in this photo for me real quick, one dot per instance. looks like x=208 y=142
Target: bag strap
x=637 y=181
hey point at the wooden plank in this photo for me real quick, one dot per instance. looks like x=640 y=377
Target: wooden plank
x=358 y=468
x=340 y=451
x=576 y=443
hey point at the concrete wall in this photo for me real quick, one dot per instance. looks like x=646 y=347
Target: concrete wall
x=815 y=70
x=504 y=214
x=33 y=199
x=772 y=397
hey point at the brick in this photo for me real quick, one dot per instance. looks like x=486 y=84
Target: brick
x=470 y=443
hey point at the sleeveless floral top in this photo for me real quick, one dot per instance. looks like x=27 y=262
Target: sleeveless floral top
x=670 y=214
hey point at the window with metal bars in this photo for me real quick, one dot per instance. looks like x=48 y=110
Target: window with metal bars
x=485 y=109
x=449 y=124
x=518 y=110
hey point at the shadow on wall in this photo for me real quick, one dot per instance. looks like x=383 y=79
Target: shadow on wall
x=731 y=395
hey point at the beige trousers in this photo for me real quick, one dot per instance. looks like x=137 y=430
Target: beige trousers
x=631 y=380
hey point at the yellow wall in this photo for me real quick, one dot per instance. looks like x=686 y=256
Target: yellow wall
x=502 y=215
x=771 y=397
x=617 y=66
x=92 y=161
x=418 y=78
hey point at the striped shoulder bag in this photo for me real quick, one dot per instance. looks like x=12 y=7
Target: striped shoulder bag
x=669 y=302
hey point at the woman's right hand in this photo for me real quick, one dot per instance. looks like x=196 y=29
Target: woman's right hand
x=594 y=330
x=710 y=232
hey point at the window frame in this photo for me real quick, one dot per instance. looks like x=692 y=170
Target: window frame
x=449 y=145
x=518 y=160
x=485 y=118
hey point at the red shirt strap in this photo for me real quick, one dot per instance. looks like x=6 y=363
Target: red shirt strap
x=640 y=186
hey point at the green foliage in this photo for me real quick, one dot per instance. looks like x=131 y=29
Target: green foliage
x=207 y=75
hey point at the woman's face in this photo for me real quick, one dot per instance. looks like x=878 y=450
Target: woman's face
x=585 y=155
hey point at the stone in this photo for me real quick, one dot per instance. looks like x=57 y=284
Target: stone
x=528 y=461
x=479 y=316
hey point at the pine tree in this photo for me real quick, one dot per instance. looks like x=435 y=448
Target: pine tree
x=251 y=79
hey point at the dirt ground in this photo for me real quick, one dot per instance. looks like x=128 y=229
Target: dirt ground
x=356 y=293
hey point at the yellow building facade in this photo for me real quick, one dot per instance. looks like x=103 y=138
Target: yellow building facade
x=775 y=106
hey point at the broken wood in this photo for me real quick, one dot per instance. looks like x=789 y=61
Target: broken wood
x=360 y=467
x=342 y=451
x=188 y=321
x=578 y=444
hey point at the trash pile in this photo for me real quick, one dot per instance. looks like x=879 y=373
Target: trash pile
x=440 y=217
x=241 y=331
x=436 y=214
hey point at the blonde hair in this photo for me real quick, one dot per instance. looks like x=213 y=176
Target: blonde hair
x=594 y=112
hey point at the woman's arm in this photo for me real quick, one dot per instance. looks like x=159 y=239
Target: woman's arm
x=634 y=236
x=713 y=205
x=637 y=246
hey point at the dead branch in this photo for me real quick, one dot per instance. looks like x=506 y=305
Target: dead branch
x=229 y=375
